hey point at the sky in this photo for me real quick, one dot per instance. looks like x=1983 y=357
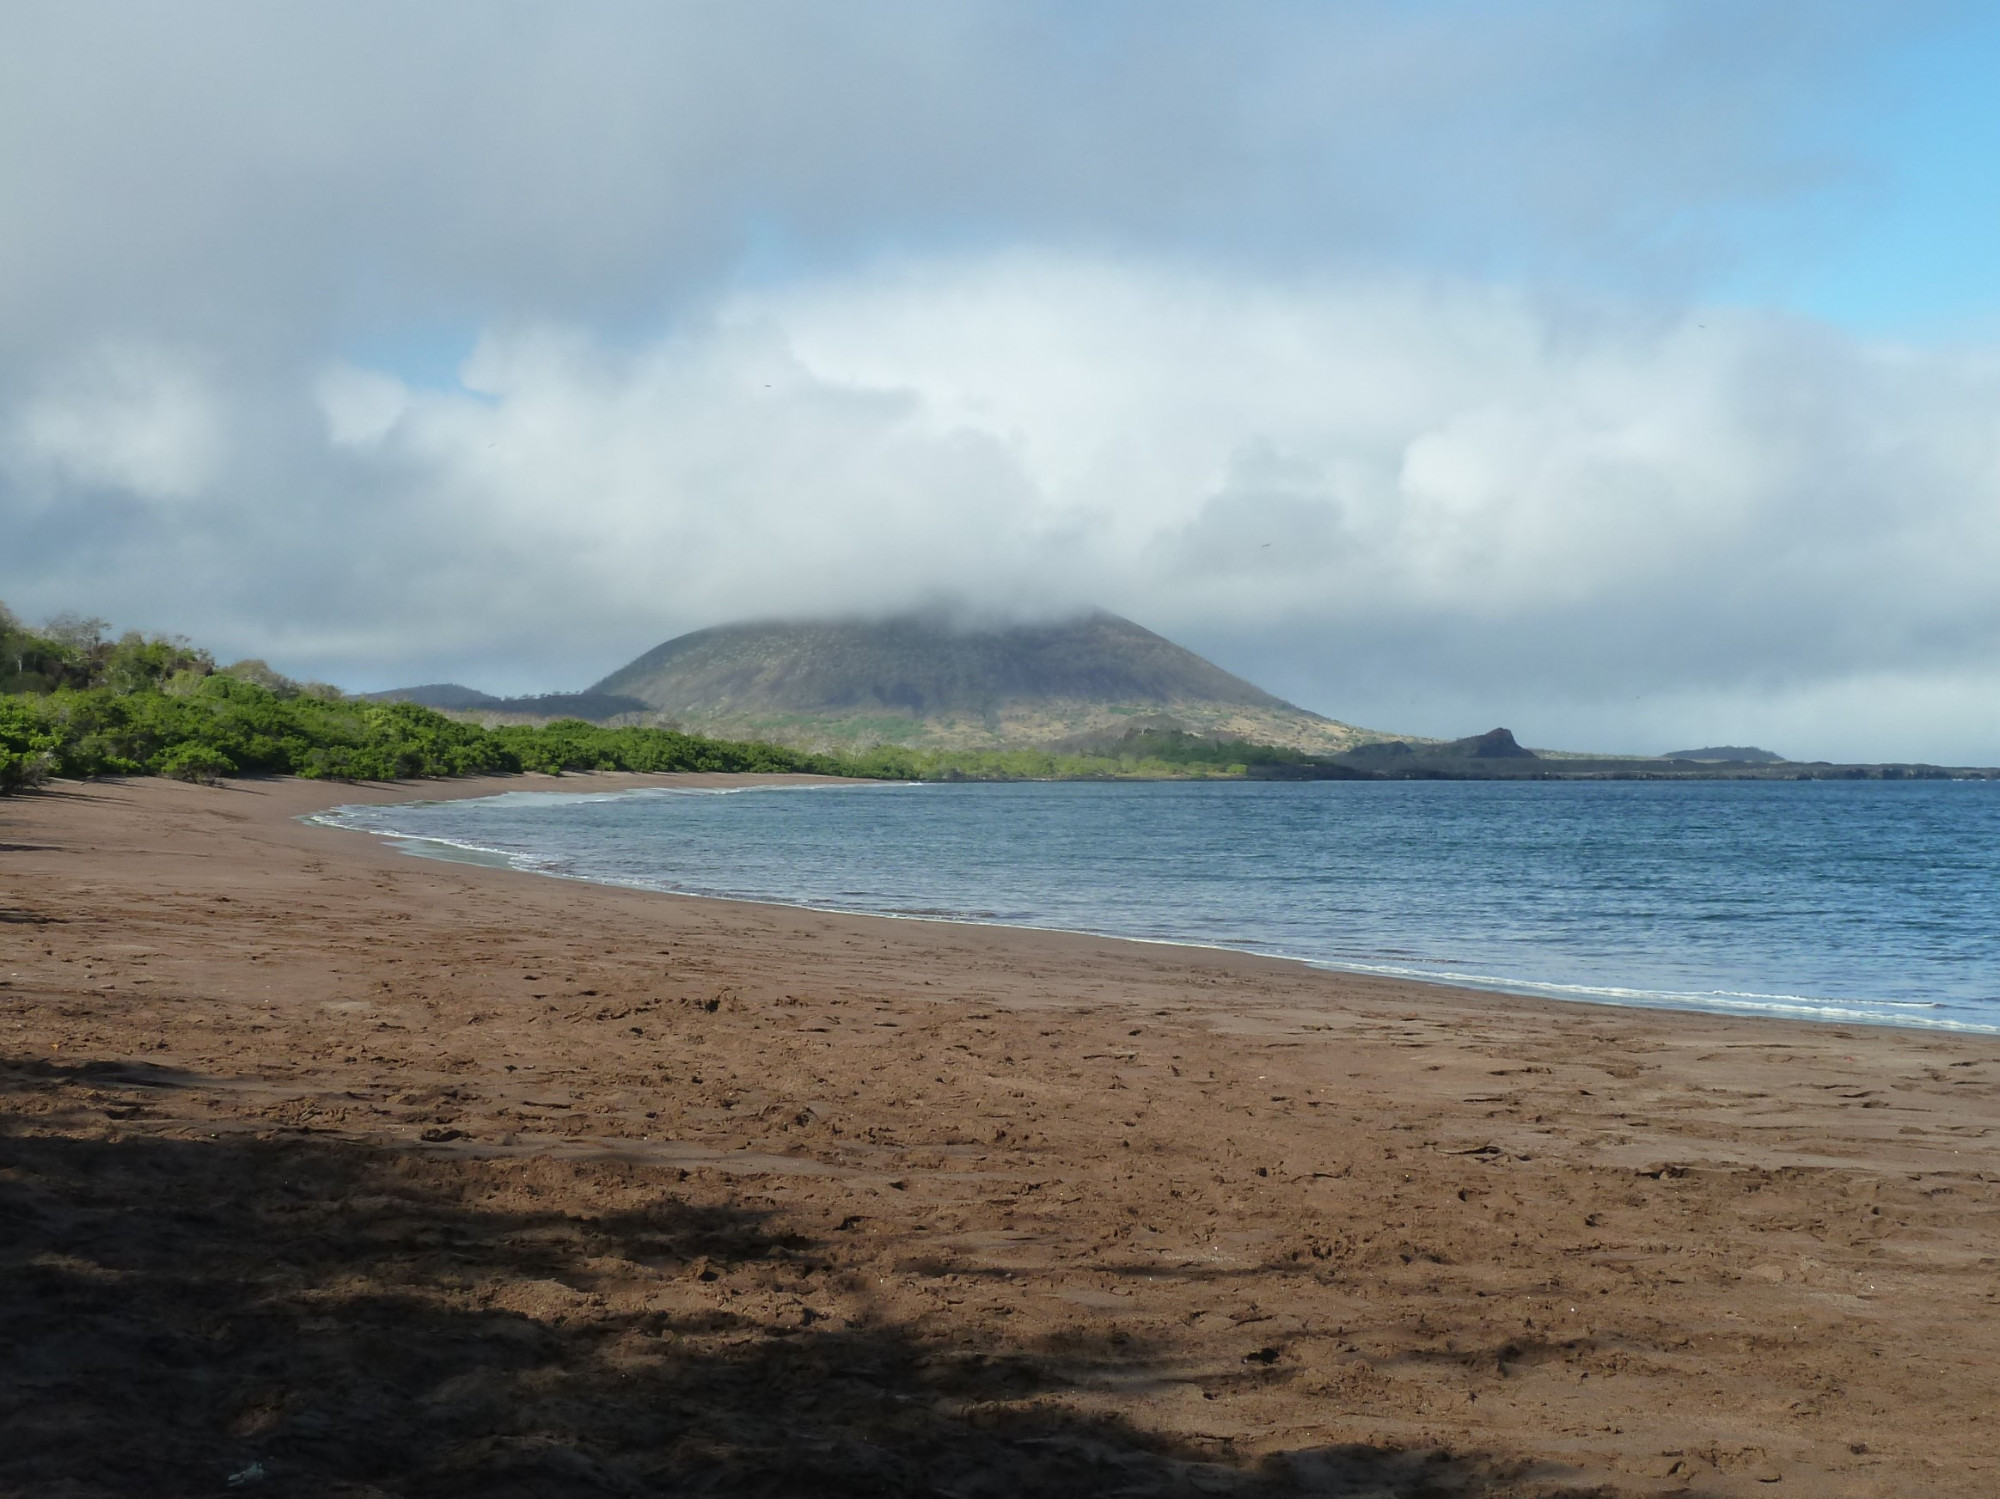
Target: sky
x=1626 y=374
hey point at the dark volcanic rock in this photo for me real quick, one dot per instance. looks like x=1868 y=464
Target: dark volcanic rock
x=1383 y=749
x=1494 y=744
x=1316 y=770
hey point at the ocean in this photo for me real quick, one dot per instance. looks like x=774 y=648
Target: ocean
x=1874 y=902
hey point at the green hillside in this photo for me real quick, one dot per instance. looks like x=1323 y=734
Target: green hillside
x=926 y=681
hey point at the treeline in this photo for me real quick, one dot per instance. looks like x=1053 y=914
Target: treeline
x=70 y=651
x=76 y=703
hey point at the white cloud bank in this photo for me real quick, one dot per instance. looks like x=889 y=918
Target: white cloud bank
x=1352 y=485
x=129 y=416
x=1199 y=312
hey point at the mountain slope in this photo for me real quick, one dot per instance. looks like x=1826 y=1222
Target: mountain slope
x=926 y=680
x=450 y=697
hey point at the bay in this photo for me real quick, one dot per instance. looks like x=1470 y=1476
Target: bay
x=1842 y=901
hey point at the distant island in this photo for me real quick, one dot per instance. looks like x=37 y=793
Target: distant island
x=927 y=681
x=916 y=697
x=1726 y=754
x=1091 y=695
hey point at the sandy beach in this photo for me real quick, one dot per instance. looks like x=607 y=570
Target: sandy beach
x=327 y=1170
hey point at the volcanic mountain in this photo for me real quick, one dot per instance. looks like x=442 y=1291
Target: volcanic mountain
x=928 y=680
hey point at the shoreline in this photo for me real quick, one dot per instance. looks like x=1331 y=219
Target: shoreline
x=406 y=1175
x=1789 y=1008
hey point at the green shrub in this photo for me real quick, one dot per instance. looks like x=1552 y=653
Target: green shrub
x=27 y=745
x=196 y=762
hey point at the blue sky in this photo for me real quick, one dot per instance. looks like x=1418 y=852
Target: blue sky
x=1624 y=373
x=1893 y=232
x=1904 y=244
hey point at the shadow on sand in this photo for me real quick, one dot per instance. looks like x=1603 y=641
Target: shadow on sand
x=314 y=1317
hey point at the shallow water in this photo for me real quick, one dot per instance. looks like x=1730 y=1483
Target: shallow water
x=1851 y=901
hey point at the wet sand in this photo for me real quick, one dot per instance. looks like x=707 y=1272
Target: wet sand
x=338 y=1172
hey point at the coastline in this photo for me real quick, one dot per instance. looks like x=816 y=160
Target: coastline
x=1888 y=994
x=1208 y=1209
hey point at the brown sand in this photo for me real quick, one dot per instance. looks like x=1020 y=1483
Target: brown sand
x=334 y=1171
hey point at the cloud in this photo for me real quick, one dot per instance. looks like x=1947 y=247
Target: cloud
x=1344 y=482
x=128 y=416
x=361 y=406
x=502 y=343
x=271 y=175
x=1455 y=453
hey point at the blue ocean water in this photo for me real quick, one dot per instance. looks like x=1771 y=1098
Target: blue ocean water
x=1849 y=901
